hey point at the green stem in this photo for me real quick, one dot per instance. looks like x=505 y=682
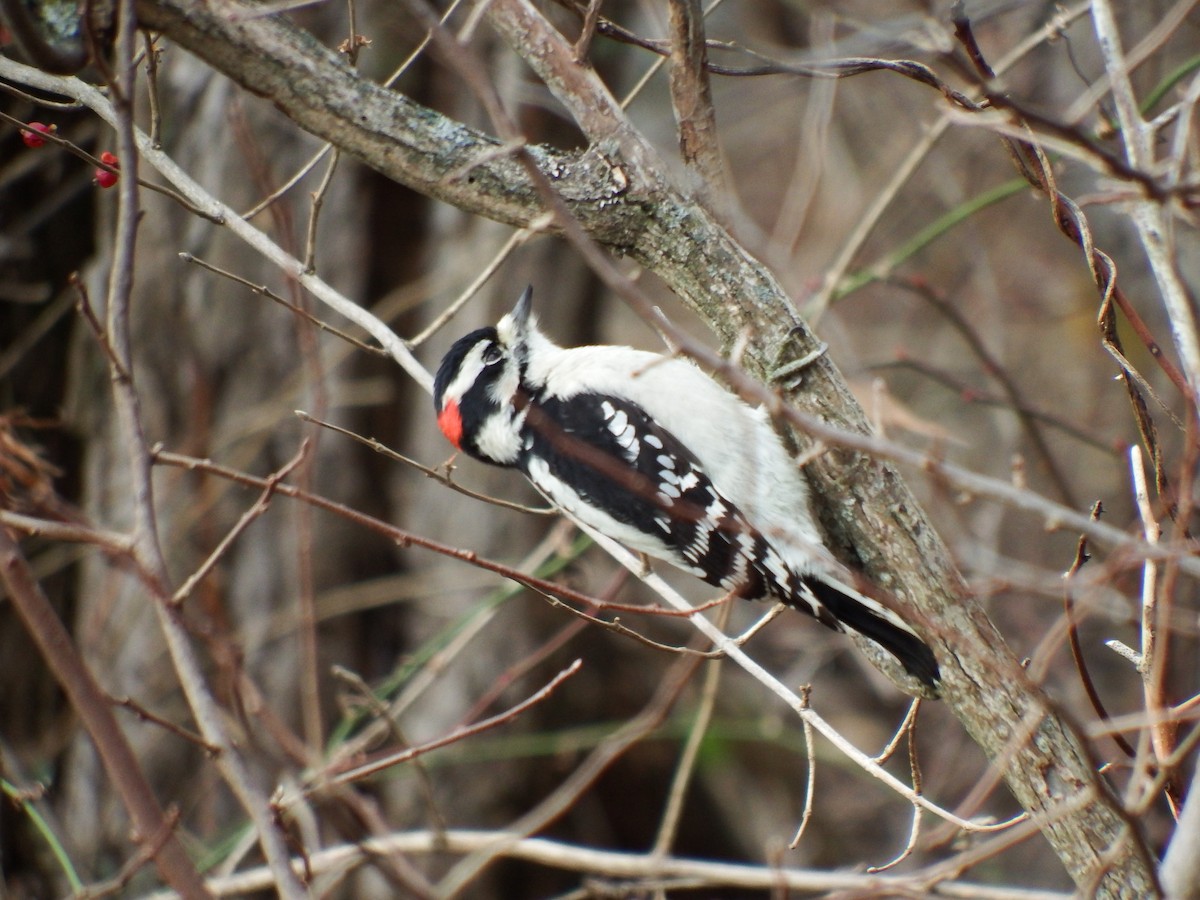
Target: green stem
x=927 y=235
x=43 y=828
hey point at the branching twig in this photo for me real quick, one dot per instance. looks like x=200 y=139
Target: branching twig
x=263 y=291
x=253 y=512
x=117 y=544
x=1148 y=214
x=442 y=476
x=1153 y=658
x=569 y=791
x=805 y=713
x=393 y=759
x=517 y=239
x=99 y=332
x=617 y=864
x=318 y=200
x=384 y=716
x=685 y=766
x=178 y=730
x=810 y=777
x=968 y=393
x=91 y=705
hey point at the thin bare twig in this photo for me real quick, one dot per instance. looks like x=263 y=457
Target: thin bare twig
x=909 y=729
x=148 y=847
x=517 y=239
x=810 y=778
x=84 y=305
x=459 y=734
x=618 y=627
x=1089 y=685
x=996 y=370
x=263 y=291
x=318 y=200
x=611 y=864
x=152 y=53
x=685 y=766
x=112 y=542
x=442 y=476
x=384 y=715
x=355 y=42
x=969 y=393
x=253 y=512
x=569 y=791
x=1153 y=659
x=296 y=178
x=591 y=15
x=178 y=730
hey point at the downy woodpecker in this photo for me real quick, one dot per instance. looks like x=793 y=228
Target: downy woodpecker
x=651 y=451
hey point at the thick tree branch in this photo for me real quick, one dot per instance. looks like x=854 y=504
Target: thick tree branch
x=414 y=145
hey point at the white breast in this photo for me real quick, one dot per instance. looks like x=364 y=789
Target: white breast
x=734 y=442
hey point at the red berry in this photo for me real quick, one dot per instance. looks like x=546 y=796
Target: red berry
x=103 y=177
x=32 y=136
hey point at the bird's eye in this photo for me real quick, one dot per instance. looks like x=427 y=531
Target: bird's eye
x=491 y=354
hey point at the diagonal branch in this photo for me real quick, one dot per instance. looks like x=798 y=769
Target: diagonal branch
x=1149 y=215
x=691 y=98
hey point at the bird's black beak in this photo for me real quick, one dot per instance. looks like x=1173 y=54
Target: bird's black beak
x=520 y=313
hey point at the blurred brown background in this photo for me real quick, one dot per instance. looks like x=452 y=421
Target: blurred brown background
x=220 y=371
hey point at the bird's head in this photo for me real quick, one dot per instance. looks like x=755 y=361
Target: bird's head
x=478 y=392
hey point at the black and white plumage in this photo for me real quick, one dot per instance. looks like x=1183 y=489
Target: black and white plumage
x=652 y=452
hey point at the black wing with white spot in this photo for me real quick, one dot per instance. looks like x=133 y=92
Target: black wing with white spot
x=617 y=460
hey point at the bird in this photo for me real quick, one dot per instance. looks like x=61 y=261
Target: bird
x=654 y=453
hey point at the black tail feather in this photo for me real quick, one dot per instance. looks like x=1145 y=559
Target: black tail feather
x=913 y=653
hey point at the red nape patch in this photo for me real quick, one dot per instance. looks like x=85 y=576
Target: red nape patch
x=450 y=421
